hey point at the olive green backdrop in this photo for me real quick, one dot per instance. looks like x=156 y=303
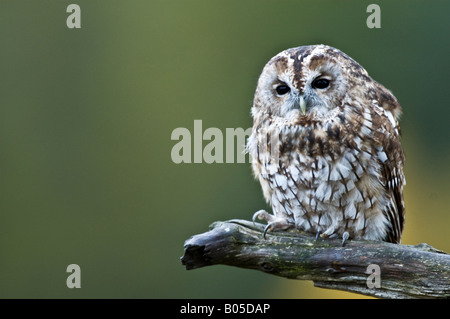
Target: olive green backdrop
x=86 y=117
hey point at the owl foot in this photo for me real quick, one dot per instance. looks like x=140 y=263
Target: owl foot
x=329 y=233
x=273 y=223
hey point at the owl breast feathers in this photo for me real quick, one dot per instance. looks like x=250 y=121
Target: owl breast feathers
x=325 y=147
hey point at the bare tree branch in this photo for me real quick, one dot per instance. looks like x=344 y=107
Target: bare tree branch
x=419 y=271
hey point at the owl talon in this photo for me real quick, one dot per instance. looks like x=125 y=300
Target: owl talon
x=317 y=235
x=265 y=230
x=273 y=223
x=345 y=236
x=277 y=224
x=262 y=215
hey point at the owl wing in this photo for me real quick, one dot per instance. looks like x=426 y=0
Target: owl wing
x=395 y=210
x=391 y=159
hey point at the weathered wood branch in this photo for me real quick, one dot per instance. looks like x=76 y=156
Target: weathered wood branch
x=419 y=271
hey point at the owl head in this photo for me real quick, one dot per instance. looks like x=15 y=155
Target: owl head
x=316 y=82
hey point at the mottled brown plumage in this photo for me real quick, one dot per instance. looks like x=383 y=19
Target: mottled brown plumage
x=325 y=147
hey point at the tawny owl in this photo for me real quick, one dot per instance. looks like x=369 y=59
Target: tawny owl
x=325 y=147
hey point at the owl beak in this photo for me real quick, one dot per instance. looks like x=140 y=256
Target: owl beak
x=302 y=105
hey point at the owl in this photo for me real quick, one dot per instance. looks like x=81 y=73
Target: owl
x=325 y=146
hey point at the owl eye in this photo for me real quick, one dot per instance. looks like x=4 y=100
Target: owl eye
x=320 y=84
x=282 y=89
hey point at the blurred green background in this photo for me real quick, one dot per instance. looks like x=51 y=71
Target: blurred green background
x=87 y=116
